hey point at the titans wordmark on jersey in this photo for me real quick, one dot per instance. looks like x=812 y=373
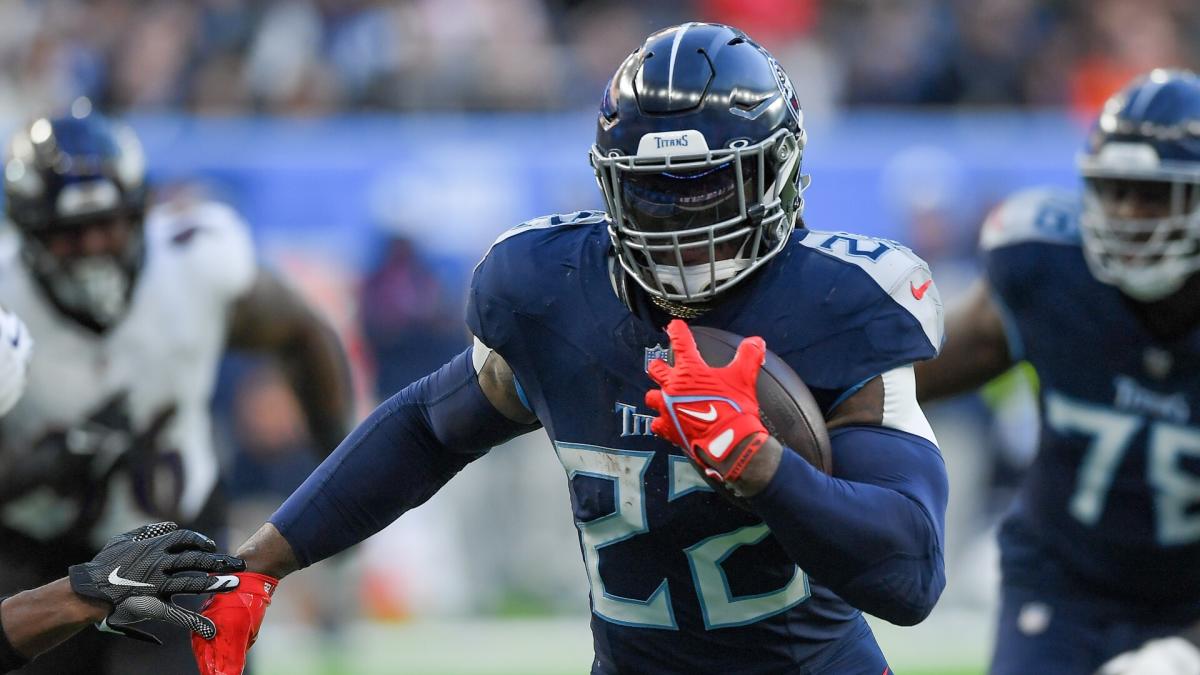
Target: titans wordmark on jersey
x=1114 y=492
x=673 y=591
x=157 y=364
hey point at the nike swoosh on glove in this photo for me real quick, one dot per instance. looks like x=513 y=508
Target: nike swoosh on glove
x=139 y=571
x=238 y=616
x=712 y=413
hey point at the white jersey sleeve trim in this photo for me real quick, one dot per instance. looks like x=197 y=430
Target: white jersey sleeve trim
x=1043 y=214
x=902 y=274
x=900 y=408
x=479 y=354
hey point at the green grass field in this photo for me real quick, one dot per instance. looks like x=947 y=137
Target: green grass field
x=948 y=644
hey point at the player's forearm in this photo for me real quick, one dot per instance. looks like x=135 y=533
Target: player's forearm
x=38 y=619
x=317 y=368
x=960 y=369
x=395 y=460
x=877 y=544
x=268 y=552
x=976 y=349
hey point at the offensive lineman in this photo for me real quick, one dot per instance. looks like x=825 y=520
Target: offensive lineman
x=698 y=152
x=1101 y=551
x=132 y=310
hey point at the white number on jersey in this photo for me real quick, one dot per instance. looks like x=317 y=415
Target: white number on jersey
x=1176 y=491
x=721 y=609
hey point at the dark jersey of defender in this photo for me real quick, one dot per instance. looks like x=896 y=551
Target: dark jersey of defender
x=680 y=580
x=1115 y=490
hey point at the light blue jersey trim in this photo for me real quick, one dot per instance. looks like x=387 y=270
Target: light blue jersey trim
x=521 y=394
x=850 y=392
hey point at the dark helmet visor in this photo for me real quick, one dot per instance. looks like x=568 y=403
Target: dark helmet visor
x=685 y=200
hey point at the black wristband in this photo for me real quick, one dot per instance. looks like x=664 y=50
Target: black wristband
x=10 y=658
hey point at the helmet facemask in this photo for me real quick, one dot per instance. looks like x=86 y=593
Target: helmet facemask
x=1141 y=229
x=686 y=227
x=93 y=288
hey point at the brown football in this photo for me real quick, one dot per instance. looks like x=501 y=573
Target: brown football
x=787 y=407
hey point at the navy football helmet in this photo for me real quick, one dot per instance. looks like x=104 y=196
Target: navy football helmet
x=698 y=149
x=1141 y=169
x=75 y=188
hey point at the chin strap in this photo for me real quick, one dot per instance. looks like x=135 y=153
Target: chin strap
x=621 y=286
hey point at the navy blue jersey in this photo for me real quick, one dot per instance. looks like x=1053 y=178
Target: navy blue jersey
x=1114 y=492
x=673 y=592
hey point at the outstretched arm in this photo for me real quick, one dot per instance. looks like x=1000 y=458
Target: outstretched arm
x=154 y=562
x=395 y=460
x=272 y=318
x=38 y=619
x=976 y=348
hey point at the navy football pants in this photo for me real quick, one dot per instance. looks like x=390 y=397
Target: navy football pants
x=1046 y=628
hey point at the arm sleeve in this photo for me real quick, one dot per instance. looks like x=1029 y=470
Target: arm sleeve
x=403 y=453
x=875 y=533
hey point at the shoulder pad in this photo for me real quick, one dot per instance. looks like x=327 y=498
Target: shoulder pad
x=510 y=273
x=1048 y=215
x=902 y=274
x=207 y=238
x=547 y=222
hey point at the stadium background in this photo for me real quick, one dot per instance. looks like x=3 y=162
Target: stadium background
x=376 y=148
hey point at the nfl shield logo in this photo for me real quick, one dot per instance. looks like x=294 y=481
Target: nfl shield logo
x=658 y=352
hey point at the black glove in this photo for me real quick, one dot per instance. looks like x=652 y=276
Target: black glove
x=138 y=572
x=71 y=460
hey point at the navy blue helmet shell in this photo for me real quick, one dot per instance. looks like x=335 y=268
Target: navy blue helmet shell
x=51 y=158
x=699 y=141
x=1160 y=109
x=708 y=77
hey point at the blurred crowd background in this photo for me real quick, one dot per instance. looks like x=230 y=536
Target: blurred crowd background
x=376 y=148
x=312 y=57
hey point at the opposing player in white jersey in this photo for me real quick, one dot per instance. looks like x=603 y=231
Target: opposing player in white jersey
x=132 y=309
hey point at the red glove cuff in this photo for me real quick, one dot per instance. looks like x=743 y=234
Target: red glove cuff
x=238 y=614
x=261 y=585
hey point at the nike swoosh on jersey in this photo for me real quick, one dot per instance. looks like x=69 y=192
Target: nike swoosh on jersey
x=919 y=291
x=118 y=580
x=707 y=416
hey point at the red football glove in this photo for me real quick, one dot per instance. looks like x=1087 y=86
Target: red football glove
x=712 y=413
x=238 y=615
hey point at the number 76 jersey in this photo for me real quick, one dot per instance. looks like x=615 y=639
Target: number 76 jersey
x=1114 y=492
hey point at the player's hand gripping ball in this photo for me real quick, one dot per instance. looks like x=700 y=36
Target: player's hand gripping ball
x=238 y=616
x=720 y=416
x=712 y=413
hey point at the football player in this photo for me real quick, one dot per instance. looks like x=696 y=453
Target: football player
x=1099 y=291
x=698 y=149
x=131 y=580
x=132 y=308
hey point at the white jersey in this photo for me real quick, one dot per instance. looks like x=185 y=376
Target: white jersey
x=162 y=355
